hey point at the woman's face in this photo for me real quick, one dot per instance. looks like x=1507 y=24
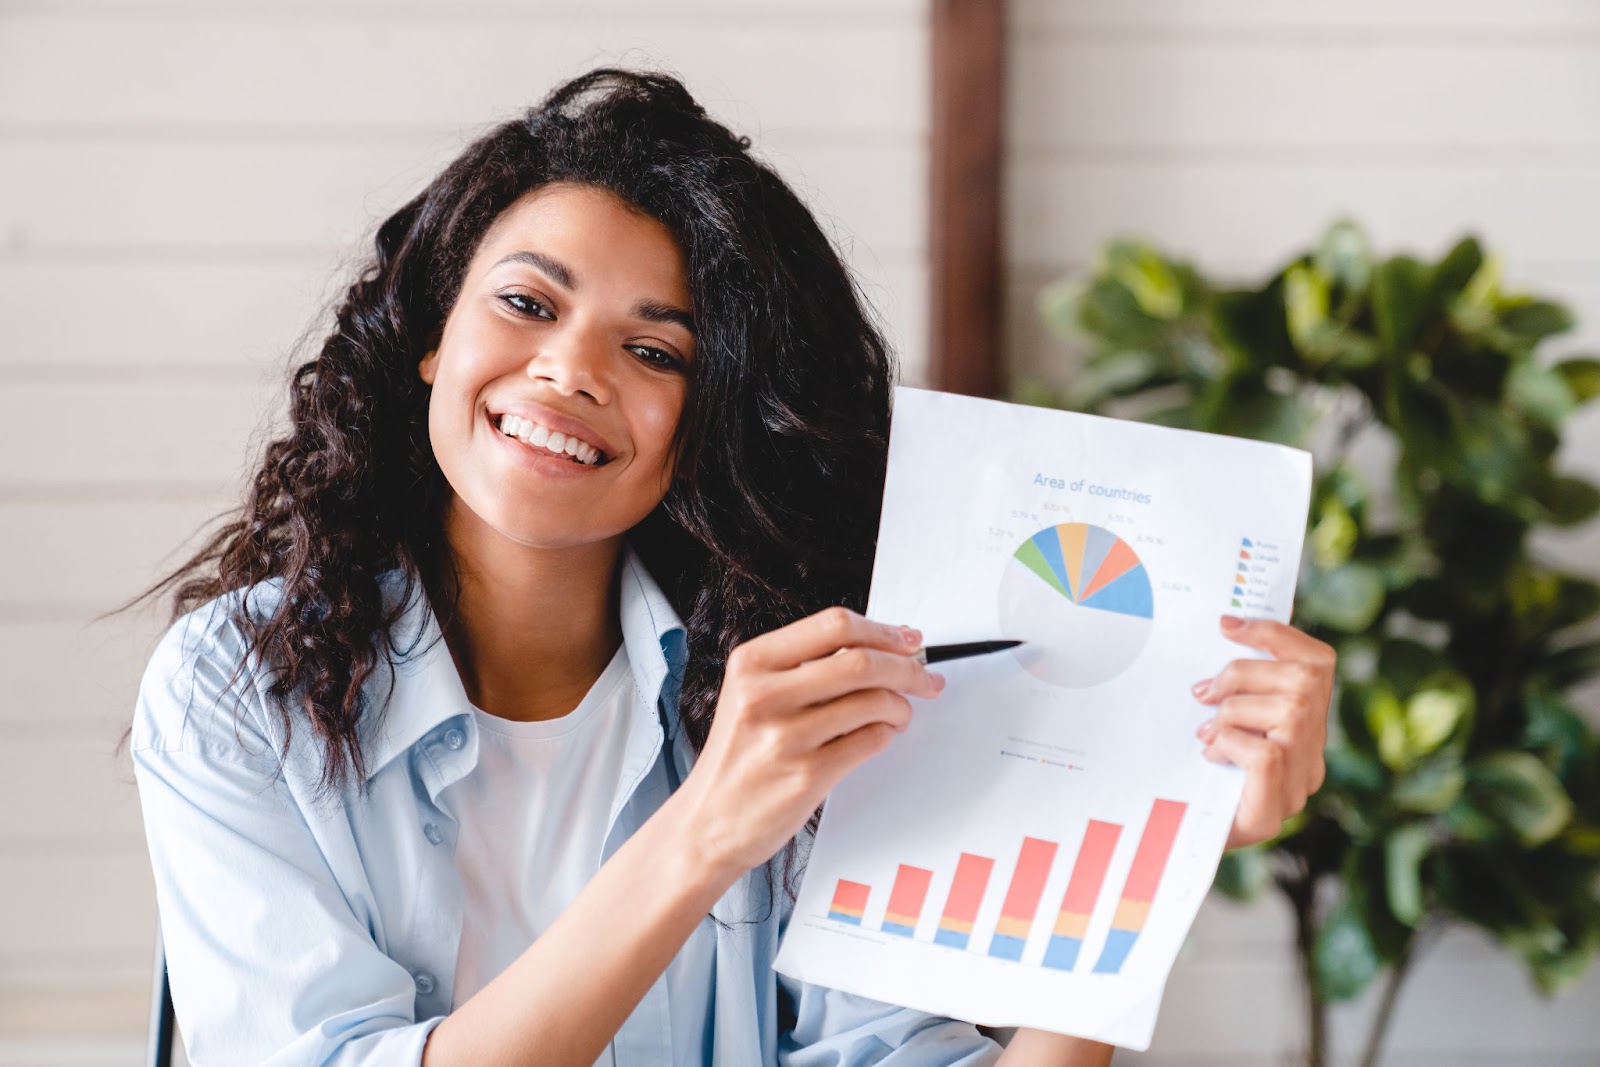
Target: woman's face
x=571 y=329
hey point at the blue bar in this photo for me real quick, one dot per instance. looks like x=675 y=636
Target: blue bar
x=1062 y=952
x=896 y=928
x=950 y=938
x=1118 y=942
x=1006 y=948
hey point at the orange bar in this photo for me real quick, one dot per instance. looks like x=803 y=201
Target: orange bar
x=1154 y=847
x=1027 y=884
x=851 y=897
x=909 y=892
x=1089 y=872
x=966 y=892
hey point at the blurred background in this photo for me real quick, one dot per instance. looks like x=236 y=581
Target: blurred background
x=185 y=185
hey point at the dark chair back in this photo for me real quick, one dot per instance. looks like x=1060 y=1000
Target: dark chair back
x=163 y=1023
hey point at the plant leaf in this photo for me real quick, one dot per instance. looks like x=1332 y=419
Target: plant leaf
x=1399 y=301
x=1347 y=598
x=1582 y=377
x=1344 y=955
x=1519 y=793
x=1403 y=851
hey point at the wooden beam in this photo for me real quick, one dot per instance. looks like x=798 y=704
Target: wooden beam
x=968 y=53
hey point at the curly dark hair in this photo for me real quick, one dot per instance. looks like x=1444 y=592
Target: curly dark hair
x=783 y=434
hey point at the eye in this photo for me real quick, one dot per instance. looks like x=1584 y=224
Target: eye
x=512 y=298
x=658 y=357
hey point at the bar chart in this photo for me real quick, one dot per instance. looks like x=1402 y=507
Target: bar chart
x=1155 y=845
x=1036 y=857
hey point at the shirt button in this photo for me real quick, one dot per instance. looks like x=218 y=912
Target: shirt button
x=424 y=983
x=455 y=738
x=431 y=832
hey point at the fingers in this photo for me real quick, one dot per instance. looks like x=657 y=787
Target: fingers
x=843 y=754
x=818 y=635
x=1277 y=638
x=1307 y=683
x=1302 y=741
x=1270 y=792
x=817 y=726
x=821 y=680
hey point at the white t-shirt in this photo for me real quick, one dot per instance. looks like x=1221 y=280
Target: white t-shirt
x=533 y=820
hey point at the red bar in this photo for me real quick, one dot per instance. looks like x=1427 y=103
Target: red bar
x=1027 y=884
x=966 y=891
x=1099 y=841
x=1154 y=847
x=910 y=890
x=851 y=895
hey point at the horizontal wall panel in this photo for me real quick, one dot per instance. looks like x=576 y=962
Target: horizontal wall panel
x=1371 y=18
x=68 y=555
x=89 y=910
x=75 y=677
x=189 y=317
x=1259 y=212
x=75 y=790
x=242 y=322
x=130 y=434
x=464 y=69
x=1175 y=95
x=304 y=197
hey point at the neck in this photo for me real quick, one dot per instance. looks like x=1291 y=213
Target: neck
x=534 y=627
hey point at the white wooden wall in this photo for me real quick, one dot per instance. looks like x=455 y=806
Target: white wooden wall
x=183 y=183
x=1232 y=131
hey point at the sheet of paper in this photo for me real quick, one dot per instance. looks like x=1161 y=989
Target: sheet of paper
x=1033 y=849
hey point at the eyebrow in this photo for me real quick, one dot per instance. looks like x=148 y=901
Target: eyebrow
x=649 y=310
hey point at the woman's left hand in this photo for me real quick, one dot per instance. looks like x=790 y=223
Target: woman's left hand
x=1272 y=720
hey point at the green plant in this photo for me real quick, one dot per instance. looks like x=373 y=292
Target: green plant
x=1463 y=784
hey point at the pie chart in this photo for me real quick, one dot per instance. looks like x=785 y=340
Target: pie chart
x=1080 y=598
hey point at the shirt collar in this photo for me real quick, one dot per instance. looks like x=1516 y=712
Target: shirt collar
x=427 y=688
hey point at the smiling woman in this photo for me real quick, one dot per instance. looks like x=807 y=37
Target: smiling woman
x=492 y=726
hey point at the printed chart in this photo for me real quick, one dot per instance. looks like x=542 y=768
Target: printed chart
x=1033 y=848
x=1081 y=598
x=908 y=897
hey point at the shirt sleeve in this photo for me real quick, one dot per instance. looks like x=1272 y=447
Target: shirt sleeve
x=837 y=1029
x=833 y=1028
x=267 y=962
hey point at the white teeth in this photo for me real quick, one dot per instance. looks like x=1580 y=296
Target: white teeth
x=554 y=441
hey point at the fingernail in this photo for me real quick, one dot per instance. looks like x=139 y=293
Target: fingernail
x=1231 y=623
x=1201 y=688
x=938 y=681
x=1207 y=731
x=911 y=638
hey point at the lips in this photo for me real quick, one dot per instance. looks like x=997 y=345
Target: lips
x=554 y=420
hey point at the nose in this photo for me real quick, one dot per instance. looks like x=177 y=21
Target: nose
x=573 y=361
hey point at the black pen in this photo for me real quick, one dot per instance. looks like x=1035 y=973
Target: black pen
x=939 y=653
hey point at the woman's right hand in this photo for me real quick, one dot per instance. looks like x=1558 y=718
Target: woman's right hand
x=800 y=707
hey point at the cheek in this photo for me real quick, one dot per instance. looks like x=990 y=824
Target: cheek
x=654 y=423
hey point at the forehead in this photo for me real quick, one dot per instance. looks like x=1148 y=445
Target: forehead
x=584 y=223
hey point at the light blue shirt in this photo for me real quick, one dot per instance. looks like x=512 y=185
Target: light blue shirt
x=307 y=933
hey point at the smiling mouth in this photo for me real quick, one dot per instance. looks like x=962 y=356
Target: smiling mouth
x=555 y=442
